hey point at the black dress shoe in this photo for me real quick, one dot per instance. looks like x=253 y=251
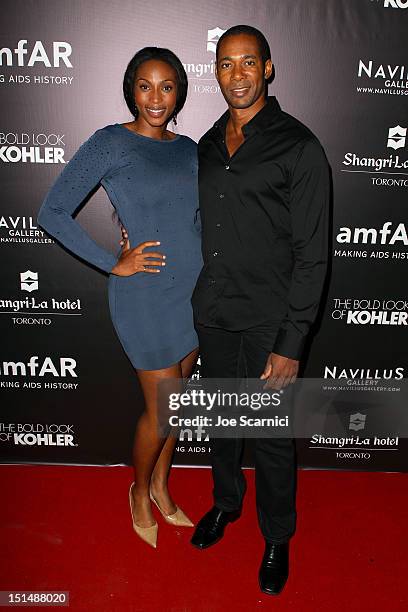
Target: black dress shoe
x=274 y=570
x=210 y=528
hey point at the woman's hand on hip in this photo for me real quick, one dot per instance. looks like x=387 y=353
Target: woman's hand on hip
x=125 y=236
x=134 y=260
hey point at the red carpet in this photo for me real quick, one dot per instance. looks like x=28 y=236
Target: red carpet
x=69 y=528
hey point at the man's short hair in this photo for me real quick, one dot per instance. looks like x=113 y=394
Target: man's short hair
x=246 y=29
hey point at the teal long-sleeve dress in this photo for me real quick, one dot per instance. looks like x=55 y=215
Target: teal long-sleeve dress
x=152 y=184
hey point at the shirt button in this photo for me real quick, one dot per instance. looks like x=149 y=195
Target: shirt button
x=218 y=225
x=227 y=167
x=221 y=196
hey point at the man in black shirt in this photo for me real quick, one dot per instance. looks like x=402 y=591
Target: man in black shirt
x=264 y=192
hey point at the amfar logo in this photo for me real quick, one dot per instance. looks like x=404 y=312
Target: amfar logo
x=213 y=37
x=402 y=4
x=396 y=137
x=371 y=235
x=357 y=421
x=61 y=52
x=65 y=366
x=29 y=281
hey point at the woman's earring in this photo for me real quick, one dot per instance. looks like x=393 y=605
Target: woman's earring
x=175 y=119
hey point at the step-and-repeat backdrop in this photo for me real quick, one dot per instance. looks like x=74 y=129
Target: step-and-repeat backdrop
x=68 y=392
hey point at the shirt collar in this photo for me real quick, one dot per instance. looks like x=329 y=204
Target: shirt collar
x=260 y=122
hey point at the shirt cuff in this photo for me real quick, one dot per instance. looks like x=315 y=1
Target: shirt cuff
x=289 y=343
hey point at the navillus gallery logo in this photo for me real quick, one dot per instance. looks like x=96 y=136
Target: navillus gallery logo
x=37 y=148
x=19 y=62
x=352 y=311
x=16 y=230
x=336 y=372
x=396 y=137
x=29 y=281
x=361 y=379
x=376 y=78
x=389 y=170
x=201 y=73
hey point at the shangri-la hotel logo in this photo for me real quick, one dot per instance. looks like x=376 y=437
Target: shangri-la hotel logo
x=29 y=281
x=212 y=38
x=396 y=137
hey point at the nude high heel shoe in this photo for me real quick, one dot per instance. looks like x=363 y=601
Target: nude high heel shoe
x=178 y=519
x=147 y=534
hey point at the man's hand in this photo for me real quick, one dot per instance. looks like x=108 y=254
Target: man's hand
x=279 y=371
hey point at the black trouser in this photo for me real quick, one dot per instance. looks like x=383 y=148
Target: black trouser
x=223 y=353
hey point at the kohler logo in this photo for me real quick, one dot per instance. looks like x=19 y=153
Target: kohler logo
x=402 y=4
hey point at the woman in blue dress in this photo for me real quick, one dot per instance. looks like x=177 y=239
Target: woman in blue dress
x=150 y=176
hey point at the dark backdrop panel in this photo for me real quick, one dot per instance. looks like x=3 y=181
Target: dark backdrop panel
x=68 y=392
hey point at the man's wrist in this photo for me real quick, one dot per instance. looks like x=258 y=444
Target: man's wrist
x=289 y=343
x=283 y=356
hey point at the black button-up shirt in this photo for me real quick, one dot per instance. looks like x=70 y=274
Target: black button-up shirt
x=264 y=214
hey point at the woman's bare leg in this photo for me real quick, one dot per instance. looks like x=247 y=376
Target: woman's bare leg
x=162 y=468
x=148 y=445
